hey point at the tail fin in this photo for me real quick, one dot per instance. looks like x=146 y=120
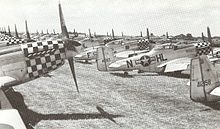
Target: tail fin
x=90 y=35
x=203 y=38
x=27 y=32
x=113 y=34
x=5 y=30
x=167 y=35
x=16 y=32
x=105 y=57
x=210 y=39
x=203 y=80
x=9 y=32
x=148 y=35
x=209 y=35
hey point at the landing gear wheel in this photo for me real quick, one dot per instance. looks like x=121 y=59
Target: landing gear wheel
x=125 y=74
x=140 y=71
x=86 y=61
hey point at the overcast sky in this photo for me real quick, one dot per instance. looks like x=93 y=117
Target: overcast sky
x=129 y=16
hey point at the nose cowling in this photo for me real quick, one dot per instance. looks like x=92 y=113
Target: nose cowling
x=71 y=47
x=71 y=44
x=203 y=48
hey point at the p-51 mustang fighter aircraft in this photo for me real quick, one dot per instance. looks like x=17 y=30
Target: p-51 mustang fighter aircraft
x=161 y=59
x=88 y=54
x=29 y=61
x=122 y=49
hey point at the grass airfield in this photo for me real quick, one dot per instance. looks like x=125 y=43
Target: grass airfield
x=139 y=101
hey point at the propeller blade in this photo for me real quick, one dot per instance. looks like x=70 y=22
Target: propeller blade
x=62 y=23
x=71 y=63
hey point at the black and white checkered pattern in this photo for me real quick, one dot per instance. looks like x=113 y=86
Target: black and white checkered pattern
x=203 y=48
x=15 y=41
x=143 y=44
x=5 y=37
x=43 y=57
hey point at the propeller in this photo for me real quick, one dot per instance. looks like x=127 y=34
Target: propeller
x=69 y=44
x=71 y=63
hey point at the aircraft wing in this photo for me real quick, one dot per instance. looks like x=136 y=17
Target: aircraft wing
x=176 y=64
x=11 y=119
x=7 y=81
x=213 y=59
x=216 y=91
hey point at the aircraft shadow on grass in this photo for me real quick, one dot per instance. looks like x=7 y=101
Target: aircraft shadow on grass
x=212 y=105
x=122 y=75
x=175 y=75
x=84 y=62
x=31 y=118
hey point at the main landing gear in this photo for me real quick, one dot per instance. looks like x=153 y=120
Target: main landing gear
x=125 y=73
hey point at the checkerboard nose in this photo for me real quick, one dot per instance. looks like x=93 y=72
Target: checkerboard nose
x=203 y=48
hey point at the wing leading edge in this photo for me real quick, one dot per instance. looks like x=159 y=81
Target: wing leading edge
x=7 y=81
x=176 y=65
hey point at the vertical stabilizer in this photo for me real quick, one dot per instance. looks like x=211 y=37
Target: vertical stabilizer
x=105 y=57
x=203 y=38
x=209 y=35
x=9 y=32
x=27 y=32
x=210 y=38
x=148 y=35
x=16 y=32
x=167 y=35
x=5 y=30
x=203 y=80
x=90 y=35
x=113 y=34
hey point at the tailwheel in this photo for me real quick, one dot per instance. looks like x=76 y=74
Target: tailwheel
x=125 y=73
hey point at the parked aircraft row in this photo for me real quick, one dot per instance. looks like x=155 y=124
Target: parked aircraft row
x=30 y=59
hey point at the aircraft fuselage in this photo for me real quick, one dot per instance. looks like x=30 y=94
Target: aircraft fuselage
x=150 y=61
x=32 y=60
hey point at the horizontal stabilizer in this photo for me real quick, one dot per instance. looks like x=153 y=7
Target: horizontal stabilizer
x=176 y=65
x=216 y=91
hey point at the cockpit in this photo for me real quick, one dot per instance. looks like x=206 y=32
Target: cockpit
x=176 y=46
